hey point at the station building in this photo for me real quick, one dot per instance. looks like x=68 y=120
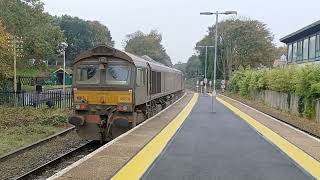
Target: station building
x=303 y=45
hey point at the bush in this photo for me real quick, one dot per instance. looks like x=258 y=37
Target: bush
x=302 y=81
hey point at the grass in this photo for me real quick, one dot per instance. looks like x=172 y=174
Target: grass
x=30 y=72
x=22 y=126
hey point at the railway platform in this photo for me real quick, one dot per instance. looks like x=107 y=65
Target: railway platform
x=236 y=142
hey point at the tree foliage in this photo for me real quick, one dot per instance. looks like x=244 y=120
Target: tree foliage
x=181 y=66
x=241 y=42
x=147 y=44
x=5 y=59
x=82 y=35
x=28 y=20
x=193 y=67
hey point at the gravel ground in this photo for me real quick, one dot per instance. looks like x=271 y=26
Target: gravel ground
x=70 y=160
x=304 y=124
x=18 y=165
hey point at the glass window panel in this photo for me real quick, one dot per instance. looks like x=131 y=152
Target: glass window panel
x=88 y=74
x=299 y=51
x=138 y=78
x=306 y=48
x=318 y=46
x=294 y=51
x=118 y=75
x=312 y=47
x=289 y=52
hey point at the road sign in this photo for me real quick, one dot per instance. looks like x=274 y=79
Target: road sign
x=205 y=80
x=197 y=82
x=201 y=83
x=223 y=82
x=210 y=82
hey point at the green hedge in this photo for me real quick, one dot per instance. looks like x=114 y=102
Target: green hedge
x=302 y=81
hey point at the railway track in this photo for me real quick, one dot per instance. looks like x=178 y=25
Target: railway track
x=32 y=159
x=53 y=165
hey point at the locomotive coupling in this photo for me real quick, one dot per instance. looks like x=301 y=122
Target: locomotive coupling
x=76 y=120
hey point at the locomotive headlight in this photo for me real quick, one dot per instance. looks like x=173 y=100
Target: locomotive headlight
x=123 y=108
x=81 y=107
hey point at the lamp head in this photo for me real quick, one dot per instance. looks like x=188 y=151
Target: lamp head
x=206 y=13
x=230 y=12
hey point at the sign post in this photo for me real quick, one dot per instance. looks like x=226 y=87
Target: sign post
x=205 y=81
x=197 y=85
x=223 y=85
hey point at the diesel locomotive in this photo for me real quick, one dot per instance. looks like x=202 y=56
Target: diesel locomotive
x=116 y=90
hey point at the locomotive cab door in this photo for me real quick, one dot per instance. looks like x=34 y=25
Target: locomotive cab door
x=141 y=90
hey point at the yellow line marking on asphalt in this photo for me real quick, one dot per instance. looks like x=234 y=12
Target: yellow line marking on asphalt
x=140 y=163
x=300 y=157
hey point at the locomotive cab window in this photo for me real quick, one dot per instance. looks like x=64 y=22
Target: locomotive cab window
x=118 y=74
x=88 y=74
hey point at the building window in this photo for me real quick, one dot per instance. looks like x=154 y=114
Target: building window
x=294 y=51
x=312 y=47
x=299 y=51
x=318 y=46
x=289 y=52
x=306 y=48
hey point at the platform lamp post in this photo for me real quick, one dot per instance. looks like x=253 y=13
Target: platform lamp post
x=205 y=68
x=214 y=93
x=62 y=50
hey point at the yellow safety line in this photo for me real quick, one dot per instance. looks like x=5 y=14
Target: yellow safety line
x=140 y=163
x=300 y=157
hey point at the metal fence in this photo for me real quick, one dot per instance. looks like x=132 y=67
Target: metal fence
x=52 y=99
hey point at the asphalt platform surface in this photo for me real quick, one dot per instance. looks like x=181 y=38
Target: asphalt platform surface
x=221 y=146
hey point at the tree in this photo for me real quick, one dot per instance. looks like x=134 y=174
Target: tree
x=82 y=35
x=147 y=44
x=28 y=20
x=181 y=66
x=242 y=42
x=281 y=50
x=101 y=33
x=193 y=67
x=5 y=59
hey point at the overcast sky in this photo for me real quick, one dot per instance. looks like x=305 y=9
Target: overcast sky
x=179 y=20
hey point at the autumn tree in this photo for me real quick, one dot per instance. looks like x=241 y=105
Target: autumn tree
x=27 y=19
x=5 y=59
x=147 y=44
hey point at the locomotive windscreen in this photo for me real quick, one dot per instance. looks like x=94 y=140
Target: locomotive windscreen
x=88 y=74
x=118 y=74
